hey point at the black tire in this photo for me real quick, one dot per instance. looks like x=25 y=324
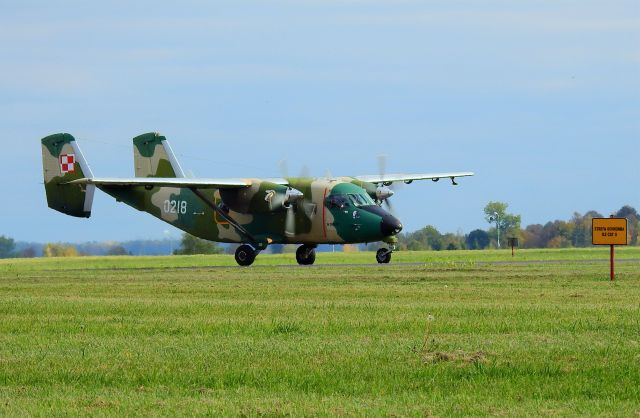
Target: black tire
x=383 y=256
x=305 y=255
x=245 y=255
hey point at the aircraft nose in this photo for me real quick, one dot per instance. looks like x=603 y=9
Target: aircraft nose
x=390 y=225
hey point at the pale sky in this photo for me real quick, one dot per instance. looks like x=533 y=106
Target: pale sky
x=540 y=98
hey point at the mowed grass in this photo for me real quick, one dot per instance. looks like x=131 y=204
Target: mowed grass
x=450 y=337
x=428 y=257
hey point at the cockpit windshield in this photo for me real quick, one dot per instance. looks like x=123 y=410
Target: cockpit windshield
x=359 y=200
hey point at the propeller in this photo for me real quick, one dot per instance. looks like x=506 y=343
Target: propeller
x=290 y=222
x=389 y=206
x=289 y=200
x=382 y=165
x=305 y=172
x=284 y=168
x=292 y=199
x=328 y=174
x=384 y=190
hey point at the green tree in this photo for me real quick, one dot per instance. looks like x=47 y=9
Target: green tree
x=532 y=236
x=452 y=241
x=477 y=240
x=581 y=236
x=7 y=246
x=195 y=245
x=633 y=222
x=427 y=238
x=509 y=224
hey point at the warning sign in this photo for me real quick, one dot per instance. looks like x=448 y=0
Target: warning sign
x=609 y=231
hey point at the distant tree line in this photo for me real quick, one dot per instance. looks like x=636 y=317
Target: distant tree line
x=576 y=232
x=10 y=248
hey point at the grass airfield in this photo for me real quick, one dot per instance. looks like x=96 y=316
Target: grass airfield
x=453 y=334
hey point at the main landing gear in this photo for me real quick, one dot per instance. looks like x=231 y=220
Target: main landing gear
x=305 y=255
x=245 y=255
x=383 y=255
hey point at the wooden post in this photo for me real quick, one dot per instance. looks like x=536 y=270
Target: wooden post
x=513 y=242
x=612 y=265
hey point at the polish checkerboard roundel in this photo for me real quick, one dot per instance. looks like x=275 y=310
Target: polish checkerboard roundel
x=67 y=163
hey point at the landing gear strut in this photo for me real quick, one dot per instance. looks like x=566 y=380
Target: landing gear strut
x=305 y=255
x=245 y=255
x=383 y=255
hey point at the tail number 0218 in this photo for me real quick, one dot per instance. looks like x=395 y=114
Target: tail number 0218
x=175 y=206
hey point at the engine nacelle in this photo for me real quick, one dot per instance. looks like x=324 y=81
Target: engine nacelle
x=292 y=196
x=260 y=197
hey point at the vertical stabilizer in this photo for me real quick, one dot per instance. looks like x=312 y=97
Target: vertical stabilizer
x=153 y=157
x=62 y=161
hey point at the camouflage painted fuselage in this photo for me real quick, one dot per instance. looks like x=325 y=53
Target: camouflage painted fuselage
x=256 y=211
x=319 y=217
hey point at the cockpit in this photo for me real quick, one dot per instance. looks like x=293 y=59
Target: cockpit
x=341 y=201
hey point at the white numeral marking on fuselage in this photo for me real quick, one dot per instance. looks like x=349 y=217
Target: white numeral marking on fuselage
x=175 y=206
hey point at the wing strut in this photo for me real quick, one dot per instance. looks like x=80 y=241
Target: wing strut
x=241 y=230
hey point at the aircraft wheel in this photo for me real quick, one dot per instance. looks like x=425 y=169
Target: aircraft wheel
x=245 y=255
x=383 y=256
x=305 y=255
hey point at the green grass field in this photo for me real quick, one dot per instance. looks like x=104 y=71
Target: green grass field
x=449 y=336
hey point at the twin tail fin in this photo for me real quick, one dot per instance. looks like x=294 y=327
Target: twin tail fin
x=62 y=162
x=153 y=157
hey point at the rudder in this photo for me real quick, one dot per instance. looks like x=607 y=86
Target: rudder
x=62 y=162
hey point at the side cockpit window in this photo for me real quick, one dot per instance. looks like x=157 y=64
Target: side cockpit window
x=337 y=201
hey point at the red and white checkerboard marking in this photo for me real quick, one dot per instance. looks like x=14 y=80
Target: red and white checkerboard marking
x=67 y=163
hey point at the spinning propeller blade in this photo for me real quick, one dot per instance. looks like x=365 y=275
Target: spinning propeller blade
x=284 y=168
x=382 y=170
x=290 y=222
x=382 y=165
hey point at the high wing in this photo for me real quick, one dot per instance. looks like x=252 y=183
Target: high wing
x=174 y=182
x=408 y=178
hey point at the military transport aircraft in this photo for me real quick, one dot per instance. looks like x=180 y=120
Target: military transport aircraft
x=247 y=211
